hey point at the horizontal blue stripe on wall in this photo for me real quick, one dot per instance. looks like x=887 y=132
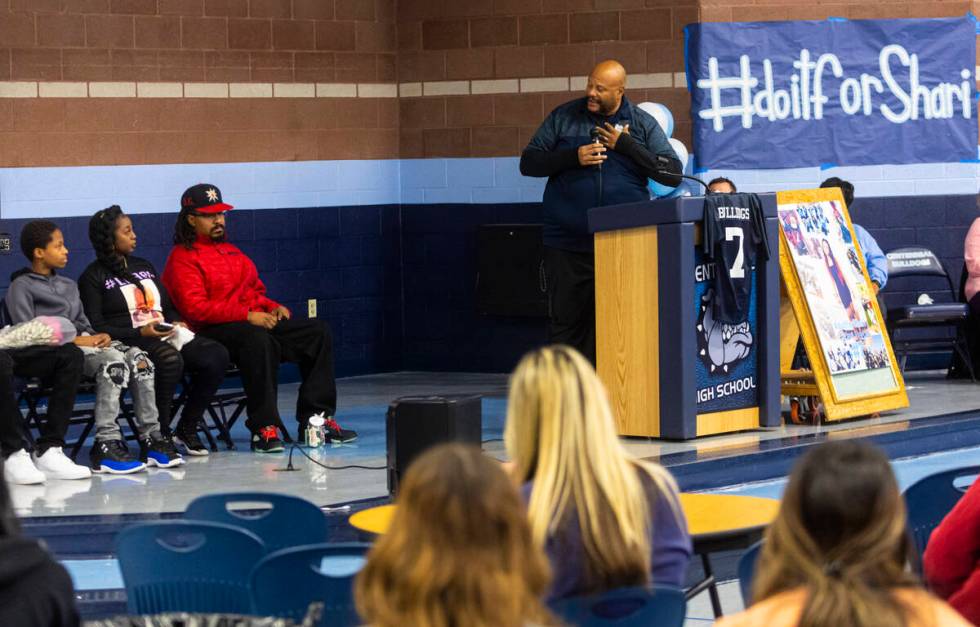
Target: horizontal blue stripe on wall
x=80 y=191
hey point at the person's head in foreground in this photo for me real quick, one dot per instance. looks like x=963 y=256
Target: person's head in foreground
x=202 y=215
x=721 y=185
x=458 y=551
x=839 y=547
x=561 y=437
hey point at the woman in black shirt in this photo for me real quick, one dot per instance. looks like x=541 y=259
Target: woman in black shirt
x=123 y=297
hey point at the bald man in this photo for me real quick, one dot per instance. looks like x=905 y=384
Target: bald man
x=595 y=150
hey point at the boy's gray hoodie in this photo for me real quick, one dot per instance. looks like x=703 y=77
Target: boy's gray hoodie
x=31 y=294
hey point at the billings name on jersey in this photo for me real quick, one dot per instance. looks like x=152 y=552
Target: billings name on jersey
x=734 y=230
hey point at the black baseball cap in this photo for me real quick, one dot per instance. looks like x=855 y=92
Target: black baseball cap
x=203 y=198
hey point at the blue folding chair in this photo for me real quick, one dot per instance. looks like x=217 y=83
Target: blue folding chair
x=928 y=501
x=663 y=606
x=177 y=565
x=279 y=520
x=284 y=583
x=746 y=571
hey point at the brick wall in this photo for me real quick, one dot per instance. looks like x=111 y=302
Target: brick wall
x=195 y=81
x=514 y=48
x=69 y=51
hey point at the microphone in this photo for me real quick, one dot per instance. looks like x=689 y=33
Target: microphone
x=663 y=162
x=595 y=140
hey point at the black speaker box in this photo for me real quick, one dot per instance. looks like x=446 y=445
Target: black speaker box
x=415 y=423
x=510 y=279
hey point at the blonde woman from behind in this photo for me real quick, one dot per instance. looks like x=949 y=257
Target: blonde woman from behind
x=458 y=551
x=605 y=519
x=837 y=553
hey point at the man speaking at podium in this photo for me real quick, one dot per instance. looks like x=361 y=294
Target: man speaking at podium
x=595 y=150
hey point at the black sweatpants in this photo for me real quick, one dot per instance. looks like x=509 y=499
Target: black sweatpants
x=570 y=278
x=205 y=362
x=258 y=353
x=57 y=366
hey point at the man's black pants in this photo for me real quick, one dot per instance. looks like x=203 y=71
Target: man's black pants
x=57 y=366
x=570 y=277
x=258 y=352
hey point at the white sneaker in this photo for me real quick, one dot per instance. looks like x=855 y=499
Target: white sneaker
x=19 y=469
x=56 y=465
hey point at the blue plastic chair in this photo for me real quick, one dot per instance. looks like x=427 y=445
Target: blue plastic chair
x=284 y=583
x=746 y=571
x=928 y=501
x=177 y=565
x=663 y=606
x=279 y=520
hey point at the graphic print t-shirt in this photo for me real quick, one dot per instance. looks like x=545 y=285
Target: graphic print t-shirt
x=734 y=232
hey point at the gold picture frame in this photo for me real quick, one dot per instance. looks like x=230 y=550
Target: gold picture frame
x=845 y=388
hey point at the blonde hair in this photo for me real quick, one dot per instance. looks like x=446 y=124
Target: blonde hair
x=458 y=551
x=840 y=534
x=561 y=435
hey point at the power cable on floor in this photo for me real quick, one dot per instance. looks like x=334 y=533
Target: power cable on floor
x=294 y=447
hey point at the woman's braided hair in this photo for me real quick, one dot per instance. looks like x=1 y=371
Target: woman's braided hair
x=102 y=234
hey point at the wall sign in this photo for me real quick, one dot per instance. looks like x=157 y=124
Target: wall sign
x=799 y=94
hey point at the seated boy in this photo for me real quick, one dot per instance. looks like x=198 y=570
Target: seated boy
x=39 y=290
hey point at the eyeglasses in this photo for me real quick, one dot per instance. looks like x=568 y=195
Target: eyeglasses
x=209 y=216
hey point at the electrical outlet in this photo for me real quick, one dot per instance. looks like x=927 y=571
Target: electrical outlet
x=311 y=308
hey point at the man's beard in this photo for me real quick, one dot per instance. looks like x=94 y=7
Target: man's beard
x=218 y=236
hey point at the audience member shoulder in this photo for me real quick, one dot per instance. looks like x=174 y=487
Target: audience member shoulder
x=784 y=610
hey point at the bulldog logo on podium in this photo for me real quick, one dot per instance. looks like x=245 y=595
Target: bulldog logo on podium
x=721 y=345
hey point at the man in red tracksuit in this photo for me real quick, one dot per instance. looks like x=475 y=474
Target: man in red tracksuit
x=217 y=290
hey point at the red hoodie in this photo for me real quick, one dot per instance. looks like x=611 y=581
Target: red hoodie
x=214 y=282
x=952 y=558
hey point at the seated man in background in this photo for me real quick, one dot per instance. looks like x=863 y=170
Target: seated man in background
x=217 y=290
x=874 y=259
x=721 y=185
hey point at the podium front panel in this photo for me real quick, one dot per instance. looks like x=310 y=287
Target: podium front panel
x=671 y=371
x=628 y=338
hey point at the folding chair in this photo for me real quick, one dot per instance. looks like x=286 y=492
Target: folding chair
x=922 y=262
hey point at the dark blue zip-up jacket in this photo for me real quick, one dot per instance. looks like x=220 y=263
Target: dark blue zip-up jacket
x=572 y=189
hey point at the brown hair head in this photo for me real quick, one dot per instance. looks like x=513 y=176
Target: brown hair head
x=458 y=551
x=840 y=534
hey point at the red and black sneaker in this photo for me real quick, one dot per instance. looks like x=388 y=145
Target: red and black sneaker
x=336 y=434
x=266 y=440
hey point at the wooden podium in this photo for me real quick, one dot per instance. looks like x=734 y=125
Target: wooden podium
x=670 y=370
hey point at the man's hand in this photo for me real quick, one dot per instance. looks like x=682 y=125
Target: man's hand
x=99 y=340
x=262 y=319
x=608 y=134
x=281 y=313
x=591 y=154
